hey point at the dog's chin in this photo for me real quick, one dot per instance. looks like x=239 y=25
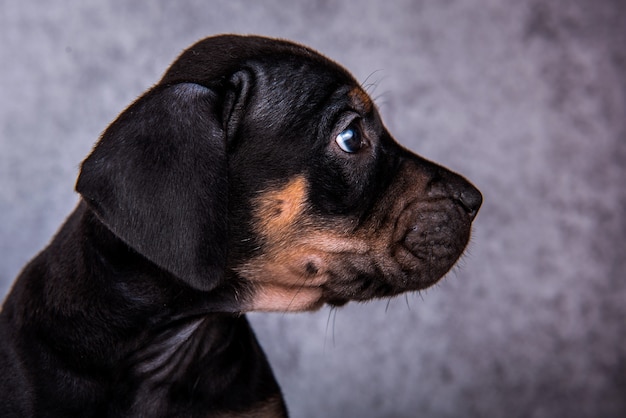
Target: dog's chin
x=365 y=288
x=337 y=302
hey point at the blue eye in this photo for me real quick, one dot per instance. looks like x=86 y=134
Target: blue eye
x=349 y=140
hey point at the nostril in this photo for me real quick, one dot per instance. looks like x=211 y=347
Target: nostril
x=449 y=185
x=471 y=200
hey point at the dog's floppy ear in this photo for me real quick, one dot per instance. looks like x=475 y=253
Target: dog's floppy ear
x=158 y=180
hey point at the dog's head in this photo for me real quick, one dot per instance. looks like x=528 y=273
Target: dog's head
x=260 y=165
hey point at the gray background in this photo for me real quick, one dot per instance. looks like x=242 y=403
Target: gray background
x=527 y=98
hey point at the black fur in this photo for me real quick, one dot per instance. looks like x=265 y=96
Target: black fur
x=136 y=306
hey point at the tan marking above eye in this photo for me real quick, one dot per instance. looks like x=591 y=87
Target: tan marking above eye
x=361 y=99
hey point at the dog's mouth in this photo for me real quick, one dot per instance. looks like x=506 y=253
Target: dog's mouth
x=424 y=243
x=435 y=238
x=405 y=244
x=409 y=253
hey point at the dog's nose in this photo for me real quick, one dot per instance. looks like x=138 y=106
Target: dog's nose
x=470 y=199
x=452 y=186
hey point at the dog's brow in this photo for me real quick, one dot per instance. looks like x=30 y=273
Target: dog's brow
x=361 y=99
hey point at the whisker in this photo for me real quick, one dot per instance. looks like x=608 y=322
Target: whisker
x=332 y=313
x=366 y=86
x=302 y=285
x=380 y=99
x=334 y=322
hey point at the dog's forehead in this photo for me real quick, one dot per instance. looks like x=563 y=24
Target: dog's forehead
x=219 y=56
x=292 y=72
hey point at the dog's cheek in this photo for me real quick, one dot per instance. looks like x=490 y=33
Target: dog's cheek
x=284 y=279
x=291 y=275
x=290 y=268
x=273 y=271
x=277 y=211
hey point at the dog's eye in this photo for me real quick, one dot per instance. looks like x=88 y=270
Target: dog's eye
x=349 y=140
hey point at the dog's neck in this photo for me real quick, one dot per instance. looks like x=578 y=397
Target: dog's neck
x=86 y=271
x=120 y=327
x=183 y=352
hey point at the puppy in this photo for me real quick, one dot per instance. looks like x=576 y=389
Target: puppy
x=257 y=175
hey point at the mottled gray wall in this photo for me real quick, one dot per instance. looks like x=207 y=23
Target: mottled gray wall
x=527 y=98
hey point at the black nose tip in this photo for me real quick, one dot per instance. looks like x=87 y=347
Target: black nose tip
x=471 y=200
x=447 y=184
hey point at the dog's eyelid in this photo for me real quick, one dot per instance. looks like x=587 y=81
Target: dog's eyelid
x=345 y=120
